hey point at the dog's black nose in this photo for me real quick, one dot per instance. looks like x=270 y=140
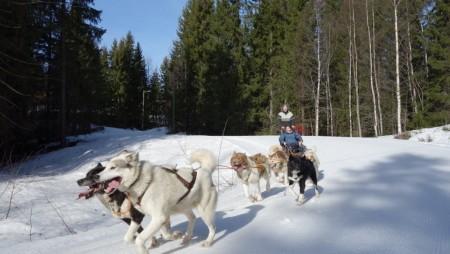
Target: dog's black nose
x=80 y=181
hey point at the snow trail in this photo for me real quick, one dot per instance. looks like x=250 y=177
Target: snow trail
x=380 y=195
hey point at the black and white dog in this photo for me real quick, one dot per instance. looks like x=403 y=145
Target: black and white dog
x=299 y=170
x=115 y=202
x=119 y=205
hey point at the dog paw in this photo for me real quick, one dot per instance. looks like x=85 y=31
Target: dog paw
x=177 y=235
x=300 y=200
x=173 y=236
x=154 y=243
x=129 y=238
x=186 y=240
x=141 y=246
x=206 y=244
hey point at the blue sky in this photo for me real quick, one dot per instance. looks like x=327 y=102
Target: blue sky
x=153 y=24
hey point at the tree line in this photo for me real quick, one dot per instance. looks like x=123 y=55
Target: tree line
x=345 y=67
x=55 y=80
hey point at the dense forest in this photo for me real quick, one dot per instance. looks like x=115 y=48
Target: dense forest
x=345 y=67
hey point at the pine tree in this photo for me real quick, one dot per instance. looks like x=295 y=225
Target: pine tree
x=195 y=46
x=155 y=99
x=437 y=97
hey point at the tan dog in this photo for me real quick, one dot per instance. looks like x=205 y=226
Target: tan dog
x=278 y=162
x=311 y=155
x=250 y=170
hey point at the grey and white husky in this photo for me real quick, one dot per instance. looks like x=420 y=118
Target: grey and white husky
x=161 y=191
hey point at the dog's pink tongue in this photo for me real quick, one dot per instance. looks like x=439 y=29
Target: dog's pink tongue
x=114 y=184
x=85 y=194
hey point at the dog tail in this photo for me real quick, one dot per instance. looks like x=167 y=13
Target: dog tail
x=313 y=152
x=206 y=159
x=275 y=148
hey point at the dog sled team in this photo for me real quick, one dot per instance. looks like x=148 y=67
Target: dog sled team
x=132 y=188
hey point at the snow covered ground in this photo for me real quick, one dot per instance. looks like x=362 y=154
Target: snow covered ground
x=379 y=196
x=436 y=136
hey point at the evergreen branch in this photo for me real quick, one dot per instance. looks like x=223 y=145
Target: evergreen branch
x=20 y=76
x=18 y=60
x=10 y=27
x=12 y=88
x=7 y=100
x=13 y=123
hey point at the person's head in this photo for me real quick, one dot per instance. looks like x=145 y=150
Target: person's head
x=288 y=129
x=285 y=108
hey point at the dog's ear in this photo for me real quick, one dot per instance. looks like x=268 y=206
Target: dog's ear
x=132 y=157
x=99 y=165
x=124 y=152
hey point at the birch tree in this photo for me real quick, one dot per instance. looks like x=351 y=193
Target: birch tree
x=319 y=70
x=375 y=124
x=350 y=61
x=355 y=73
x=397 y=68
x=375 y=75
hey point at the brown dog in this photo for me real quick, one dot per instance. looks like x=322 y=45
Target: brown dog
x=250 y=170
x=278 y=163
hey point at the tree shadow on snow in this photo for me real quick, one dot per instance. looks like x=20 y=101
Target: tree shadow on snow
x=395 y=198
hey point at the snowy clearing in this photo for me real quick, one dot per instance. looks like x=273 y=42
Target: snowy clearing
x=379 y=196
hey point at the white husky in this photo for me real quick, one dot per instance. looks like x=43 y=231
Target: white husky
x=162 y=191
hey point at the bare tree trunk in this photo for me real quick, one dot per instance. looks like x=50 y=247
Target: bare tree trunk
x=397 y=69
x=327 y=111
x=350 y=57
x=375 y=124
x=270 y=104
x=425 y=50
x=412 y=85
x=270 y=91
x=330 y=103
x=302 y=115
x=375 y=74
x=316 y=132
x=328 y=90
x=355 y=73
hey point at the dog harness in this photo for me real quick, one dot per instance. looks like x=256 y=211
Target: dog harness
x=186 y=184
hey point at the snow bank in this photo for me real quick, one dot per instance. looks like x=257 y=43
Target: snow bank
x=437 y=135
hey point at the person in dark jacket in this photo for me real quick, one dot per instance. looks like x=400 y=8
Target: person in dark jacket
x=291 y=140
